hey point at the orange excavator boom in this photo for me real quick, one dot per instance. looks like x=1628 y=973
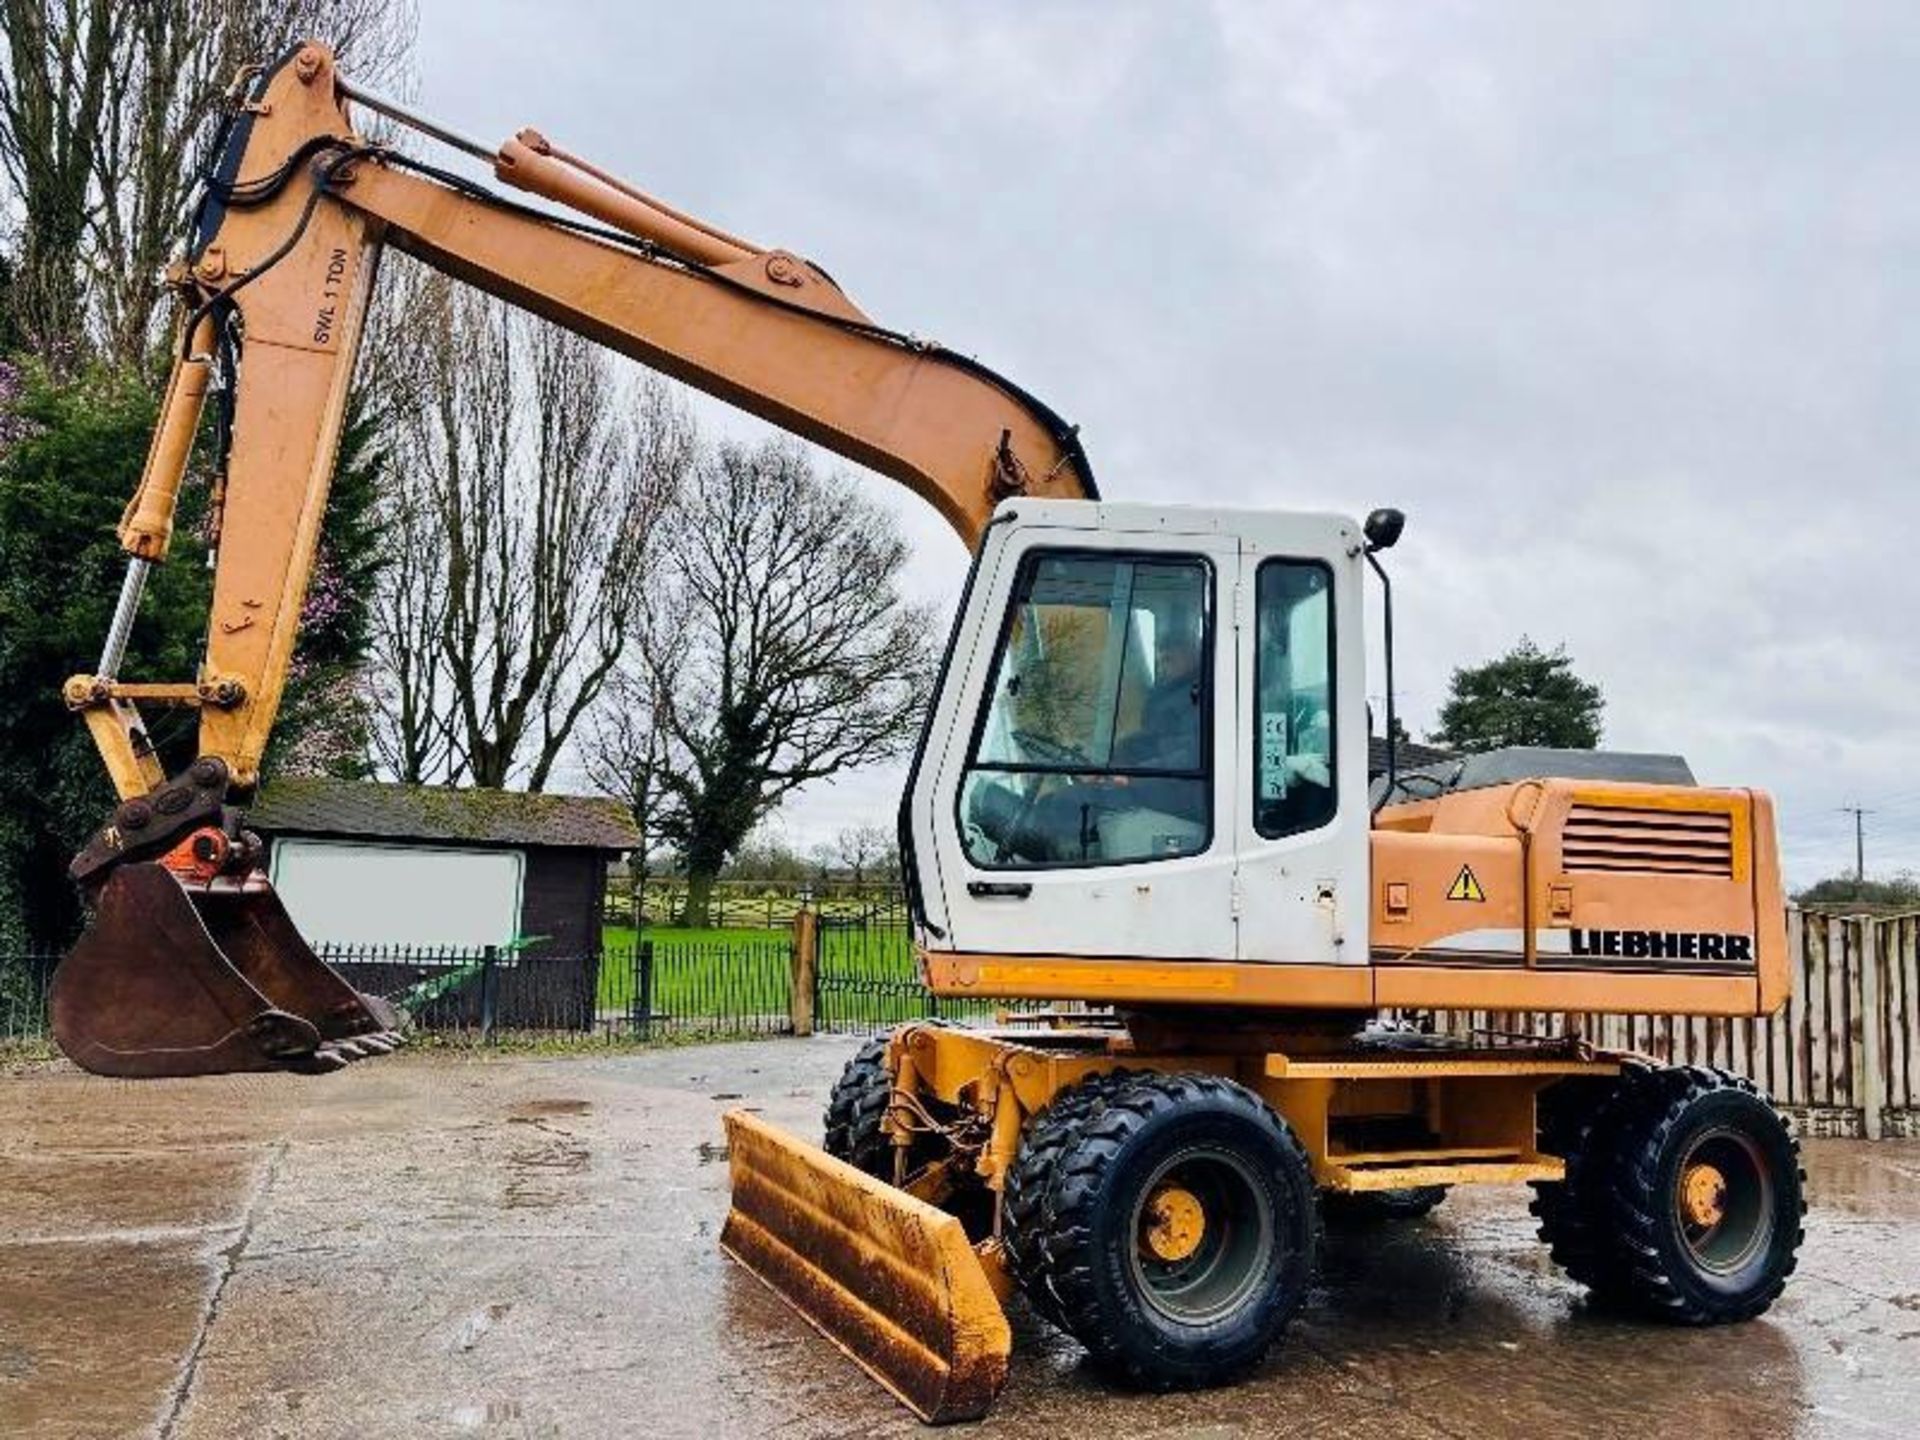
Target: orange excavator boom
x=275 y=288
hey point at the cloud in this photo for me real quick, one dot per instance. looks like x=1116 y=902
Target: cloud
x=1615 y=300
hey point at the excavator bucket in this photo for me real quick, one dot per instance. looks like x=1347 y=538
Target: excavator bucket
x=888 y=1278
x=176 y=980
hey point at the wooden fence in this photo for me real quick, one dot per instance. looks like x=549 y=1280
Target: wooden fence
x=1843 y=1056
x=756 y=904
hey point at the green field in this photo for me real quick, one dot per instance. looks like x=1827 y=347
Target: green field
x=740 y=937
x=700 y=971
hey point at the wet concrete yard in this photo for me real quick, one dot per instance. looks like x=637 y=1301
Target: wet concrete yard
x=513 y=1247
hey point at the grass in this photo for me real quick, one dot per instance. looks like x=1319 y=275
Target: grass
x=742 y=937
x=734 y=969
x=693 y=969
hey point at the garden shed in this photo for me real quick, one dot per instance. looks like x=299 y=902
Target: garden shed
x=363 y=865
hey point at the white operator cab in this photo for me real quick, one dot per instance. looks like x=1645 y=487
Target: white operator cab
x=1150 y=740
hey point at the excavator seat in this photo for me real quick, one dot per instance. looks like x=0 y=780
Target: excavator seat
x=204 y=979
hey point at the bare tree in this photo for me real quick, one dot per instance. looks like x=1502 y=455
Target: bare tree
x=108 y=117
x=626 y=749
x=53 y=88
x=862 y=853
x=531 y=483
x=778 y=647
x=412 y=736
x=625 y=752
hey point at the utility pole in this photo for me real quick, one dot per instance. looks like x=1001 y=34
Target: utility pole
x=1859 y=841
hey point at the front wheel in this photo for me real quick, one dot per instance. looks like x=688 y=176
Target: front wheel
x=856 y=1108
x=1180 y=1229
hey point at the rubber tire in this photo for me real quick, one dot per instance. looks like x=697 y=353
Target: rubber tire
x=1076 y=1267
x=1580 y=1122
x=1032 y=1184
x=1665 y=1111
x=1366 y=1206
x=855 y=1108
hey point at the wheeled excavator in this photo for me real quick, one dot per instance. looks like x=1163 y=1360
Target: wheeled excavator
x=1140 y=793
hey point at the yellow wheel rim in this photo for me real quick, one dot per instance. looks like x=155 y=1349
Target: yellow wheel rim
x=1175 y=1223
x=1703 y=1195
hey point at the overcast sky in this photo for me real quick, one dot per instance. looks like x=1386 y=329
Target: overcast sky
x=1617 y=301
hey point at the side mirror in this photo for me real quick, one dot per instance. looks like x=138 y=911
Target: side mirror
x=1383 y=529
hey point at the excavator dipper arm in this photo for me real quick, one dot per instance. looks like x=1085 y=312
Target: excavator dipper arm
x=191 y=964
x=284 y=265
x=275 y=290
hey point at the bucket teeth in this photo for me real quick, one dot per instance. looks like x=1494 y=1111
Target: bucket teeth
x=323 y=1061
x=172 y=981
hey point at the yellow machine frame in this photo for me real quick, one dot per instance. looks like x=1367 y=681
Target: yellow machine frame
x=1479 y=1102
x=892 y=1279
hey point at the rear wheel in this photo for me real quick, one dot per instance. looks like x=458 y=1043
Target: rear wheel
x=1579 y=1120
x=1177 y=1232
x=1707 y=1198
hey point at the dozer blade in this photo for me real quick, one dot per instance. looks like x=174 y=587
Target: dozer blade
x=889 y=1279
x=172 y=981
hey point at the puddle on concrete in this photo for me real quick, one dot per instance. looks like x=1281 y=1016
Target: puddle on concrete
x=541 y=1175
x=541 y=1170
x=531 y=1110
x=707 y=1152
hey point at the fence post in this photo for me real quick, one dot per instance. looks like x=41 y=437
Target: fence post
x=643 y=1020
x=806 y=965
x=1873 y=1080
x=489 y=987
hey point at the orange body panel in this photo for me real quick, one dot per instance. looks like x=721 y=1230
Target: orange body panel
x=1151 y=984
x=1591 y=878
x=1565 y=895
x=1119 y=980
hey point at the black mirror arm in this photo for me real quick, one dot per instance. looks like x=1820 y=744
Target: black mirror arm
x=1393 y=744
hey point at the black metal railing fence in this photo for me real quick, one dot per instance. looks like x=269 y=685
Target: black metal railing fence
x=722 y=985
x=23 y=997
x=732 y=985
x=867 y=980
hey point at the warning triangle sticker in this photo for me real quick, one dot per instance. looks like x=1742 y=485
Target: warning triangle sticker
x=1466 y=886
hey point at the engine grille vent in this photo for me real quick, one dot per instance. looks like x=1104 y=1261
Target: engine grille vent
x=1666 y=842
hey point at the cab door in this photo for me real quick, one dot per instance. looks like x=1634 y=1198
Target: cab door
x=1301 y=817
x=1080 y=801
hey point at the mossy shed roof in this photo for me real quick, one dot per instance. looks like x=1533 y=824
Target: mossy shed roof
x=367 y=809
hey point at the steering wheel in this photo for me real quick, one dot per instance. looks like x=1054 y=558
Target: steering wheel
x=1057 y=752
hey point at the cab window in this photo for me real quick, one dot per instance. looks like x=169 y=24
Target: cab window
x=1093 y=746
x=1293 y=762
